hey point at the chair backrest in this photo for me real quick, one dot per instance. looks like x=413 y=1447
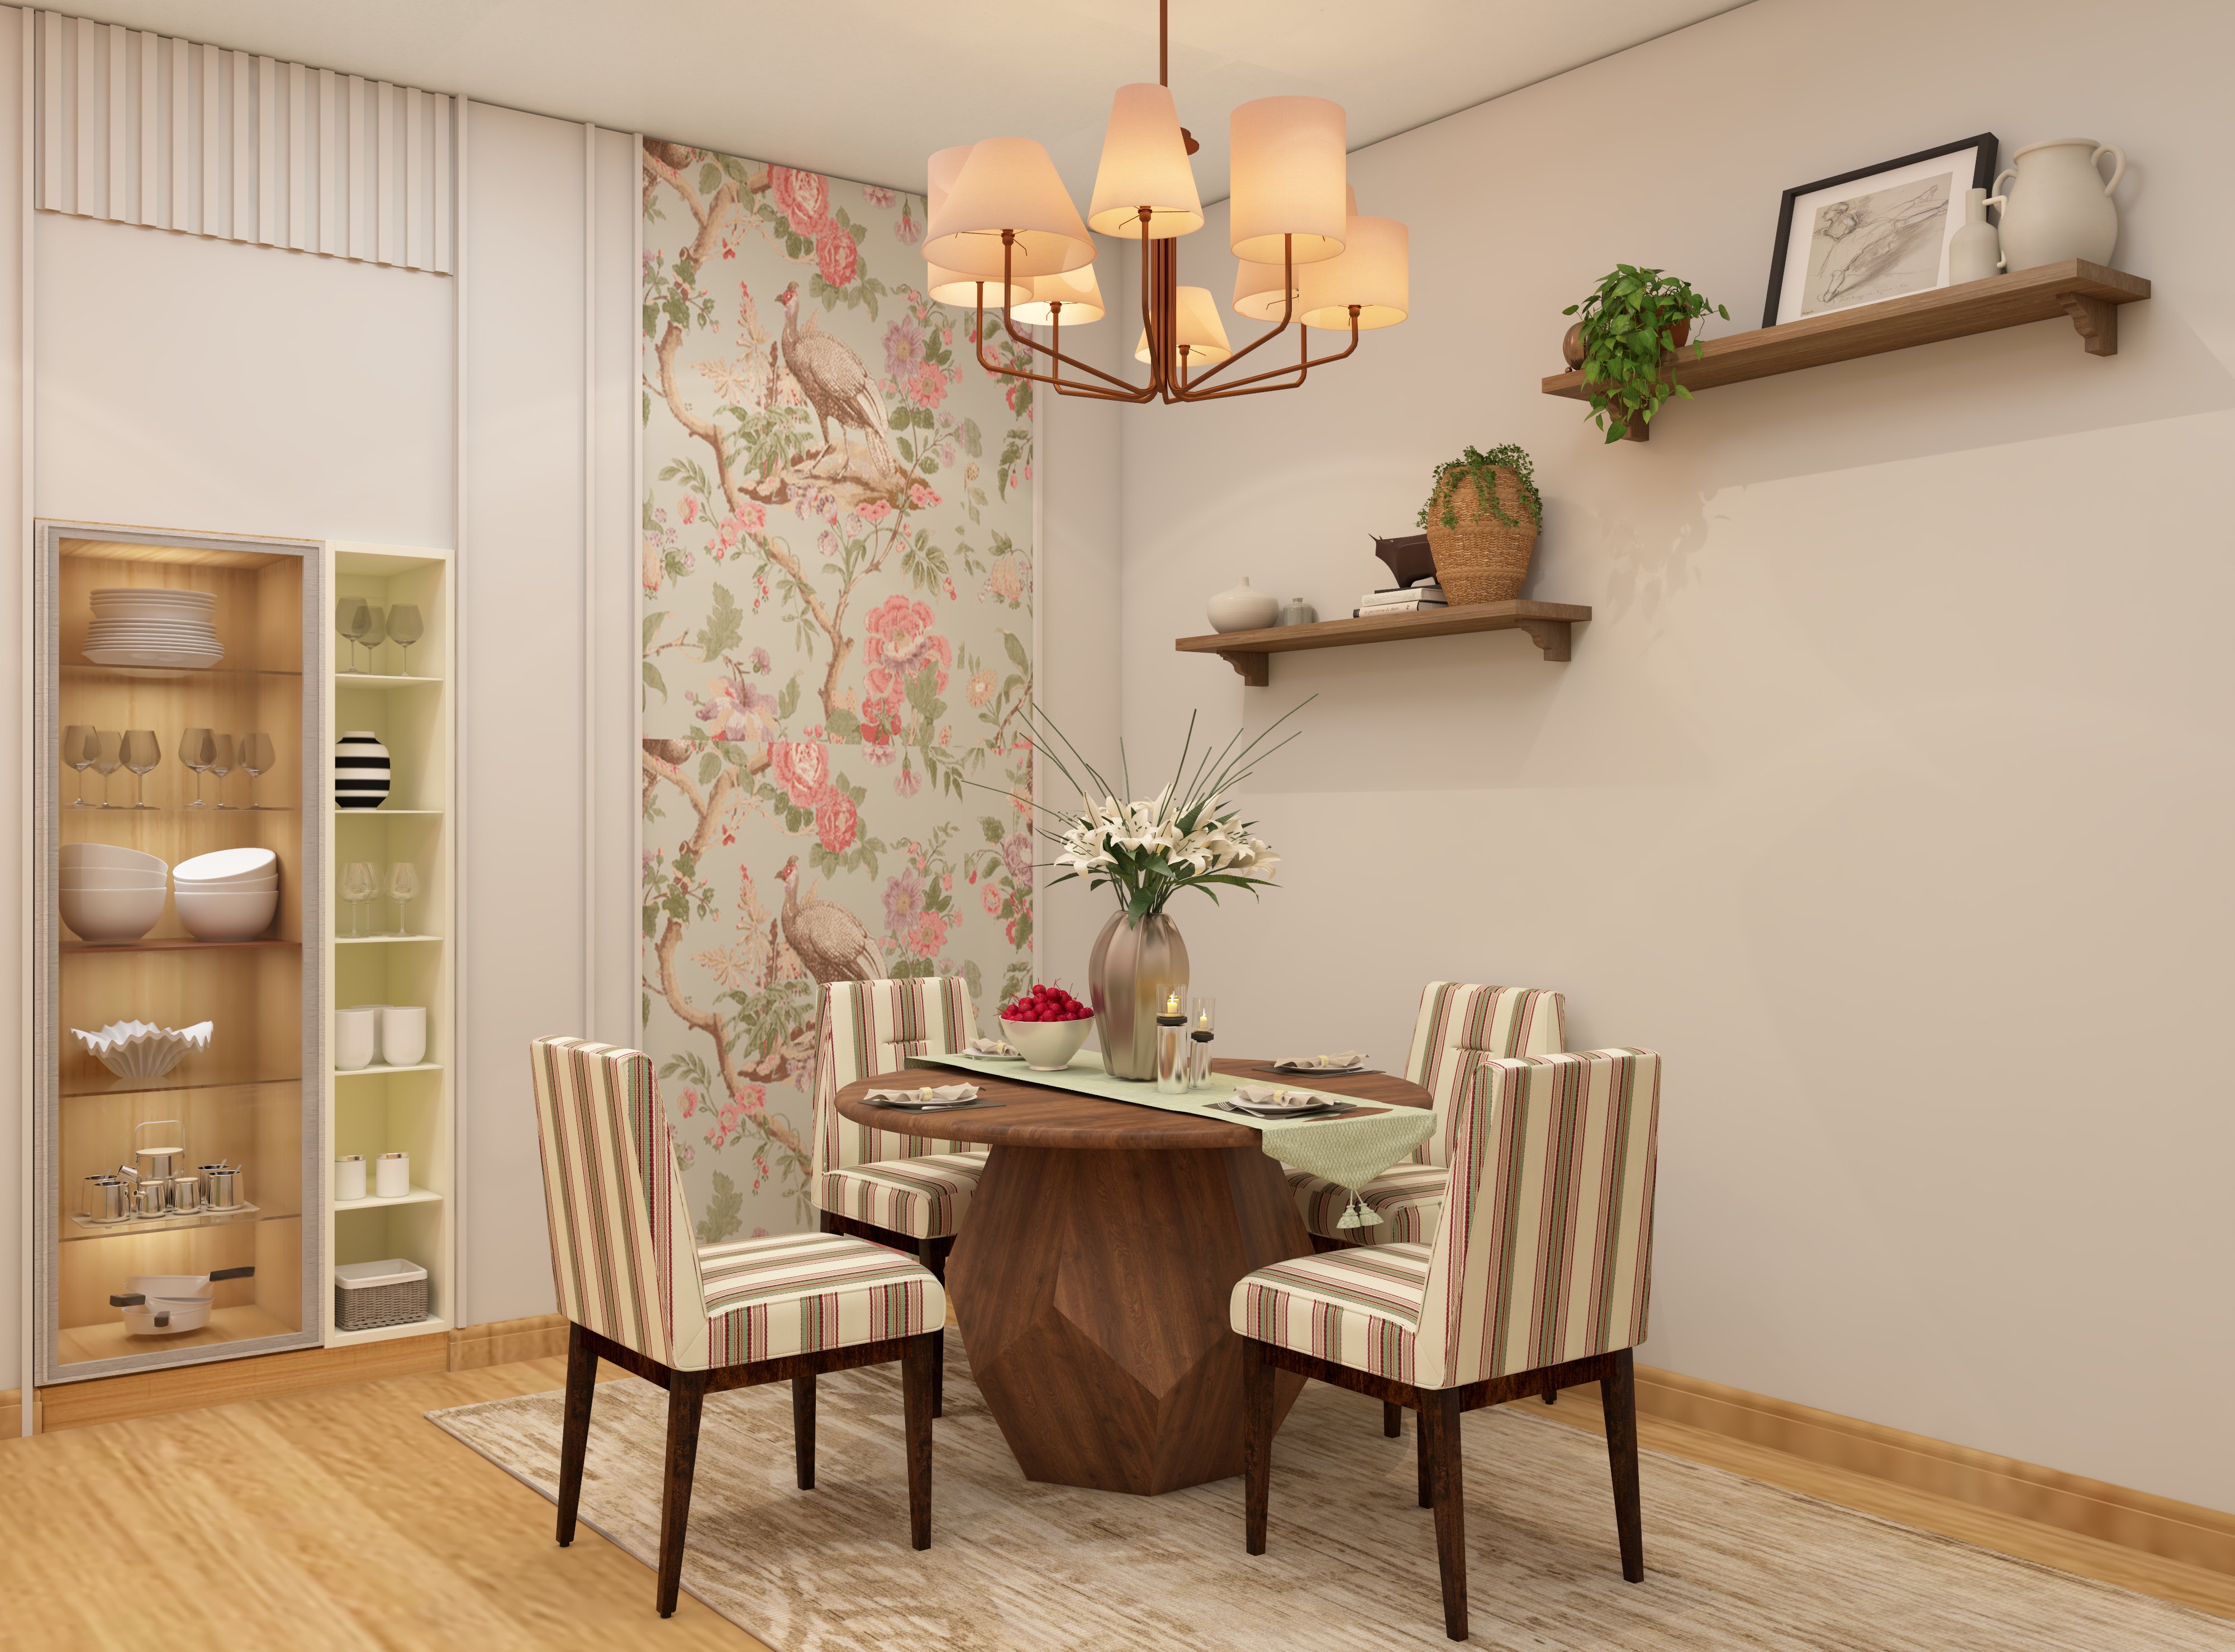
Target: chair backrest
x=623 y=1254
x=1460 y=1023
x=872 y=1027
x=1544 y=1253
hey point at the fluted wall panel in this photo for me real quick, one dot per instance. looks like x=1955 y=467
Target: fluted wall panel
x=142 y=129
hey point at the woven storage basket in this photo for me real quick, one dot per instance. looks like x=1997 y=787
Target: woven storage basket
x=1482 y=560
x=369 y=1294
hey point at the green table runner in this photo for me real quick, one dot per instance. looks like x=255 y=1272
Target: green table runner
x=1348 y=1151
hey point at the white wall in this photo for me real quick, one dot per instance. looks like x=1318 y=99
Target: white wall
x=1886 y=793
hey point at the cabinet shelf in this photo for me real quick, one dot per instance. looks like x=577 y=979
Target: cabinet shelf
x=1250 y=652
x=378 y=1069
x=372 y=1202
x=88 y=1229
x=171 y=943
x=376 y=940
x=375 y=679
x=2089 y=294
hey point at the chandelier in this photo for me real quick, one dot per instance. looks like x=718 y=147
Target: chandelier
x=1003 y=229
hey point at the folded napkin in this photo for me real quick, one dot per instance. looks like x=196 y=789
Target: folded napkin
x=948 y=1095
x=1255 y=1095
x=1335 y=1063
x=990 y=1047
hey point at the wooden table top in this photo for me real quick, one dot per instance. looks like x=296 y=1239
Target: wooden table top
x=1023 y=1114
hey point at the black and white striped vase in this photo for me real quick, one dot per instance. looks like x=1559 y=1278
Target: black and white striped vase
x=360 y=770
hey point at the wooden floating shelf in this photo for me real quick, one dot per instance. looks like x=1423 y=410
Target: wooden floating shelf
x=2088 y=294
x=1250 y=652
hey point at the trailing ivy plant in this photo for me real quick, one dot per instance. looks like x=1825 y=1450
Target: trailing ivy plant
x=1483 y=468
x=1628 y=324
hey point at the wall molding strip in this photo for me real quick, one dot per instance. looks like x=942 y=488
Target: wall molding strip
x=164 y=134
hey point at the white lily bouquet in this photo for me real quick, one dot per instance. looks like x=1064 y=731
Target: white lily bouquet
x=1190 y=836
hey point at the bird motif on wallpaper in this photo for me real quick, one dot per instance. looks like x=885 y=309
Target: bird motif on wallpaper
x=836 y=385
x=831 y=942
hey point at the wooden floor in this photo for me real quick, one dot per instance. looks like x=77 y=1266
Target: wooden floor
x=340 y=1519
x=344 y=1519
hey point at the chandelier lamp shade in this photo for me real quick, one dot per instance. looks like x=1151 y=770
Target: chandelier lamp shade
x=1003 y=232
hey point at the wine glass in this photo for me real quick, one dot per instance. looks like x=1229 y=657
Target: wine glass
x=403 y=889
x=141 y=753
x=256 y=755
x=191 y=750
x=405 y=627
x=220 y=762
x=352 y=617
x=107 y=759
x=375 y=633
x=81 y=746
x=359 y=885
x=1203 y=1025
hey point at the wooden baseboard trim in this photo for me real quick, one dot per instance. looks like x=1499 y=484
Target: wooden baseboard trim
x=2136 y=1540
x=541 y=1336
x=266 y=1376
x=12 y=1415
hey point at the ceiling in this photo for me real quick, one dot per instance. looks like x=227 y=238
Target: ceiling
x=866 y=90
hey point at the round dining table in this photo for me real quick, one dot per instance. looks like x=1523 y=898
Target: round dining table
x=1092 y=1274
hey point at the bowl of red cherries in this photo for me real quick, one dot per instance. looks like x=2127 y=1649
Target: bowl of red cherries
x=1047 y=1025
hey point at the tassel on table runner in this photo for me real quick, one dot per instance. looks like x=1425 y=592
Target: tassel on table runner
x=1356 y=1215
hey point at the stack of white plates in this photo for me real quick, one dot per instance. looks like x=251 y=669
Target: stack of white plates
x=148 y=626
x=229 y=895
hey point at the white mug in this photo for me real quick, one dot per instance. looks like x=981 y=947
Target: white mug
x=392 y=1176
x=349 y=1177
x=403 y=1034
x=354 y=1031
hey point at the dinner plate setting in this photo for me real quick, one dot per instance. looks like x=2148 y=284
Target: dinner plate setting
x=927 y=1099
x=134 y=626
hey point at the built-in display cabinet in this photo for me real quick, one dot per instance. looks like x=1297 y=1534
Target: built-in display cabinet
x=176 y=716
x=191 y=694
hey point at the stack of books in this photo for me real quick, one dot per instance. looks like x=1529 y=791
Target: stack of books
x=1409 y=599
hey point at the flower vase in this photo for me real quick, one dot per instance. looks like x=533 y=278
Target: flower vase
x=1135 y=963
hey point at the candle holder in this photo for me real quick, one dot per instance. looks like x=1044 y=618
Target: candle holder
x=1173 y=1046
x=1203 y=1024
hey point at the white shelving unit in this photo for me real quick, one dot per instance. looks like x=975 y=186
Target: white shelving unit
x=381 y=1108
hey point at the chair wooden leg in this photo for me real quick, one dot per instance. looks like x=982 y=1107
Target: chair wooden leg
x=919 y=1371
x=803 y=1428
x=1257 y=1397
x=1618 y=1396
x=1551 y=1390
x=928 y=1253
x=1440 y=1429
x=574 y=1433
x=831 y=1223
x=1420 y=1452
x=939 y=1374
x=686 y=1394
x=1392 y=1419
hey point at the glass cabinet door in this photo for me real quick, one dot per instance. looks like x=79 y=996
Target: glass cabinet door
x=179 y=931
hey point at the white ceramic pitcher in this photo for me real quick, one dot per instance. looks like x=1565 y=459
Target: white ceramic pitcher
x=2060 y=207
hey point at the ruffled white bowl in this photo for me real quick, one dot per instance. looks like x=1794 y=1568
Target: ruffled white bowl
x=142 y=1050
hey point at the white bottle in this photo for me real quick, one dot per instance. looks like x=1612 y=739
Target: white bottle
x=1975 y=252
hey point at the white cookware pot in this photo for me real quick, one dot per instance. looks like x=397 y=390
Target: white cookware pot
x=167 y=1304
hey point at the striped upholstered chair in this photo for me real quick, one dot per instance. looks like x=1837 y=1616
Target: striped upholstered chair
x=1457 y=1026
x=1538 y=1278
x=700 y=1319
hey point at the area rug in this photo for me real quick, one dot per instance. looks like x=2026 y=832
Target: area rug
x=1019 y=1567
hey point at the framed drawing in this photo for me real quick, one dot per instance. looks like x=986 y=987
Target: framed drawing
x=1874 y=233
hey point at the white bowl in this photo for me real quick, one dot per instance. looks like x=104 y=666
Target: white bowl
x=82 y=855
x=227 y=866
x=140 y=1050
x=112 y=914
x=1047 y=1045
x=225 y=915
x=113 y=877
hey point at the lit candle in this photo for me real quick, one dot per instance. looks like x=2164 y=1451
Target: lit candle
x=1172 y=1003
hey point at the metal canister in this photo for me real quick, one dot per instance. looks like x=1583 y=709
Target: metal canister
x=224 y=1186
x=159 y=1163
x=148 y=1198
x=105 y=1199
x=185 y=1196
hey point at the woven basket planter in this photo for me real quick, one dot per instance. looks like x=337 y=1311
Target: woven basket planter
x=1482 y=560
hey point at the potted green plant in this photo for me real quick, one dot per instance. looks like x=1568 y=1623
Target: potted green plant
x=1627 y=325
x=1482 y=516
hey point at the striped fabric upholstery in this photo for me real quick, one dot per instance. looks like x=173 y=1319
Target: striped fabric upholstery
x=1356 y=1308
x=1544 y=1253
x=872 y=1027
x=1408 y=1198
x=624 y=1257
x=802 y=1293
x=1458 y=1023
x=922 y=1198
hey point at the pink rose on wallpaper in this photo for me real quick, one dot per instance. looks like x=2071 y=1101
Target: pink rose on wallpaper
x=837 y=822
x=908 y=230
x=993 y=898
x=803 y=197
x=928 y=935
x=903 y=900
x=927 y=385
x=803 y=769
x=901 y=643
x=920 y=497
x=1017 y=856
x=835 y=255
x=878 y=196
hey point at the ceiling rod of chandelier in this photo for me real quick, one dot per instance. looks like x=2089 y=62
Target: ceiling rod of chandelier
x=999 y=216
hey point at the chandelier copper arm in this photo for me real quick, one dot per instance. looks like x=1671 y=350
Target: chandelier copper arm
x=1250 y=386
x=1287 y=314
x=1124 y=390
